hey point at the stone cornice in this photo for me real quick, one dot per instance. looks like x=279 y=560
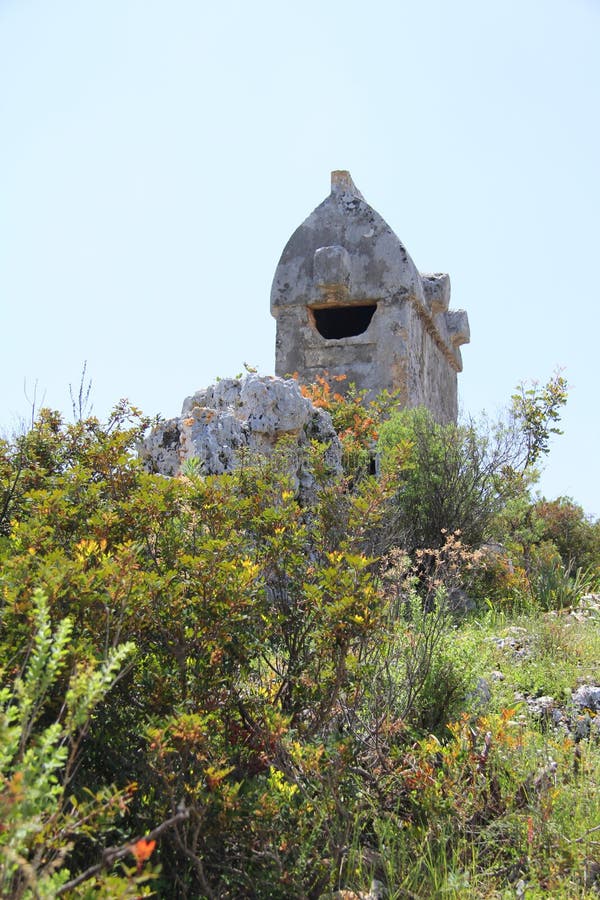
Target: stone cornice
x=451 y=355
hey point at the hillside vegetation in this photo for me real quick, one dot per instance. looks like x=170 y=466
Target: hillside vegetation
x=209 y=690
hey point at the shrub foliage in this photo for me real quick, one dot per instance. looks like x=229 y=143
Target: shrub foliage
x=210 y=690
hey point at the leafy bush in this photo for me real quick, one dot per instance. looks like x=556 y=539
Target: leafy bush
x=249 y=624
x=501 y=582
x=575 y=535
x=554 y=585
x=301 y=713
x=41 y=817
x=447 y=481
x=356 y=419
x=459 y=477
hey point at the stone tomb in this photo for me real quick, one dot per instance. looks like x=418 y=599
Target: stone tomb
x=349 y=300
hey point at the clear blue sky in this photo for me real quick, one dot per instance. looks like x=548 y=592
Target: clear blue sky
x=156 y=156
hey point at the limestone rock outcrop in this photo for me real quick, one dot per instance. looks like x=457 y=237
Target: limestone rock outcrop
x=240 y=415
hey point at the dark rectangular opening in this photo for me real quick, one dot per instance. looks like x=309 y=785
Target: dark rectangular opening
x=338 y=322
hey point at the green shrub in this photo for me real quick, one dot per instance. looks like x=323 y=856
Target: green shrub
x=554 y=585
x=301 y=715
x=459 y=477
x=447 y=481
x=575 y=535
x=41 y=817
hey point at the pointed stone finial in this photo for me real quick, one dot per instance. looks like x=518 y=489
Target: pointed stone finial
x=341 y=183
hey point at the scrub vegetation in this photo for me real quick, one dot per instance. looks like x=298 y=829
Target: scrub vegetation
x=209 y=690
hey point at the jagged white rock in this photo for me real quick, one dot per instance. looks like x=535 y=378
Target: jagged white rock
x=220 y=422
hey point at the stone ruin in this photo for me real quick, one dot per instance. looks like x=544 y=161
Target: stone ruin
x=238 y=417
x=349 y=301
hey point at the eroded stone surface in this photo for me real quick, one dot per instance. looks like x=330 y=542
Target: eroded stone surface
x=345 y=257
x=234 y=415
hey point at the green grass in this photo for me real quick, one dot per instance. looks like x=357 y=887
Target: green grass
x=527 y=819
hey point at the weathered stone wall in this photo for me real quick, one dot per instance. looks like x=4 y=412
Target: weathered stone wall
x=432 y=375
x=349 y=300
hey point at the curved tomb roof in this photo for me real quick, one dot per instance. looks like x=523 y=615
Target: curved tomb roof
x=344 y=251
